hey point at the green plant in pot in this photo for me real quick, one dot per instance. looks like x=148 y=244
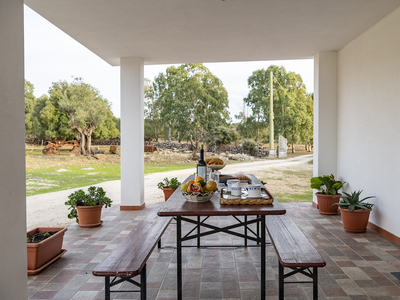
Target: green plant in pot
x=86 y=207
x=168 y=186
x=354 y=211
x=328 y=189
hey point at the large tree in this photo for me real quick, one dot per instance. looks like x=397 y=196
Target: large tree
x=152 y=107
x=86 y=108
x=292 y=105
x=192 y=101
x=30 y=102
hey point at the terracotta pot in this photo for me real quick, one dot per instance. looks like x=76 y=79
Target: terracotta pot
x=355 y=221
x=89 y=216
x=167 y=192
x=41 y=253
x=325 y=203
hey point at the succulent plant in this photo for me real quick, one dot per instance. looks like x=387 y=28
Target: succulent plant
x=353 y=202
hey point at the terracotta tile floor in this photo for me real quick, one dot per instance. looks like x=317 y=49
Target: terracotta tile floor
x=358 y=267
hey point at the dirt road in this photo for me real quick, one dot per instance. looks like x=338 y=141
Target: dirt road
x=49 y=209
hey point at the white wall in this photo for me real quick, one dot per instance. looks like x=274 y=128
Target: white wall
x=325 y=114
x=369 y=118
x=13 y=283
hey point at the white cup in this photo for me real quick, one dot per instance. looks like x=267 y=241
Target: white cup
x=254 y=190
x=230 y=182
x=236 y=190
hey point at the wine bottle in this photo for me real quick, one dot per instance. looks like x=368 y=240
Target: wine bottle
x=202 y=165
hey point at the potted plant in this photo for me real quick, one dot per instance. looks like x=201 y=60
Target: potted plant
x=44 y=247
x=354 y=211
x=86 y=207
x=328 y=189
x=168 y=186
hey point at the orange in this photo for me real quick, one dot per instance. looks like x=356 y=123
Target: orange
x=190 y=182
x=198 y=178
x=211 y=186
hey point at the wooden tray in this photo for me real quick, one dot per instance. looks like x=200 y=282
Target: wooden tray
x=227 y=199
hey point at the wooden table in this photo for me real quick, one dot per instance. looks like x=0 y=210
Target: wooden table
x=178 y=207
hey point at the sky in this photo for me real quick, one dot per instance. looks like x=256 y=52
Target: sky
x=51 y=56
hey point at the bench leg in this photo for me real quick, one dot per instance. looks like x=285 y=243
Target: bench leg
x=107 y=288
x=281 y=282
x=159 y=244
x=143 y=289
x=315 y=283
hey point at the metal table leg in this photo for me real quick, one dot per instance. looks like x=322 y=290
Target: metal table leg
x=179 y=254
x=245 y=231
x=198 y=231
x=263 y=257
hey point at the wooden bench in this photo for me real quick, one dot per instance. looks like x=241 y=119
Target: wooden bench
x=129 y=258
x=294 y=251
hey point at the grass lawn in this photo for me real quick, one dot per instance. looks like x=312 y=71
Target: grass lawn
x=47 y=174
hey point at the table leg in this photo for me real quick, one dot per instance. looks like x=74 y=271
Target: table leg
x=245 y=231
x=263 y=257
x=258 y=231
x=198 y=231
x=179 y=255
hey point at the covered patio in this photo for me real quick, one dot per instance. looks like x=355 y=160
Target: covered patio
x=359 y=266
x=355 y=45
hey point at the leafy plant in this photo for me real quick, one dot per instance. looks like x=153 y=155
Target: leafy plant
x=326 y=184
x=95 y=196
x=166 y=183
x=353 y=202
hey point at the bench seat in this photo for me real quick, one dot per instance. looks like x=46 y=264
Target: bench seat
x=129 y=258
x=294 y=251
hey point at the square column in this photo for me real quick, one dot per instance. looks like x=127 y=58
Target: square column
x=325 y=114
x=132 y=133
x=13 y=283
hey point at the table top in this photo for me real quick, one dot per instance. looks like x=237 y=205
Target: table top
x=177 y=205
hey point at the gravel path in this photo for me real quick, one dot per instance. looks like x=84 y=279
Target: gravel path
x=49 y=209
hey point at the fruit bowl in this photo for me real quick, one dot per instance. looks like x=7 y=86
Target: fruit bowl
x=216 y=167
x=198 y=197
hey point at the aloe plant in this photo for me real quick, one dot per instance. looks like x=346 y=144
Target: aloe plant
x=326 y=184
x=353 y=202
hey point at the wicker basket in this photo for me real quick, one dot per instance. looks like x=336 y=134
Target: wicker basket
x=197 y=197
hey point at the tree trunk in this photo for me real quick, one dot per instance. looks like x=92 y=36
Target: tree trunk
x=179 y=137
x=169 y=133
x=194 y=148
x=293 y=149
x=155 y=131
x=82 y=144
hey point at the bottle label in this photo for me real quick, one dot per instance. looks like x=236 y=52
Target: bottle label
x=202 y=172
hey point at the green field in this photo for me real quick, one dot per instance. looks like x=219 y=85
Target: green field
x=51 y=179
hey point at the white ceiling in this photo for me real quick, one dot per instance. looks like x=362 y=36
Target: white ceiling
x=181 y=31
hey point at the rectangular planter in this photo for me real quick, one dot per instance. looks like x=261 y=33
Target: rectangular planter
x=41 y=253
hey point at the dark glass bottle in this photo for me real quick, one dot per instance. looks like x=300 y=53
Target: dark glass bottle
x=202 y=166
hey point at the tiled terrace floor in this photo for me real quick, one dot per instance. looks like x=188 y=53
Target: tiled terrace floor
x=358 y=267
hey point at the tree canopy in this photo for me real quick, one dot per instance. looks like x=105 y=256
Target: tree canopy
x=188 y=99
x=71 y=110
x=293 y=107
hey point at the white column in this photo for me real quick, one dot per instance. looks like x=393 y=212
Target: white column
x=132 y=133
x=13 y=283
x=325 y=113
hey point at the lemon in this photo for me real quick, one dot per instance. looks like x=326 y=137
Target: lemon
x=184 y=187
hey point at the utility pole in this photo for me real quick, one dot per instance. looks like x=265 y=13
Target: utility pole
x=271 y=118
